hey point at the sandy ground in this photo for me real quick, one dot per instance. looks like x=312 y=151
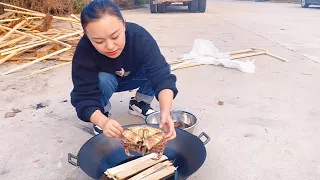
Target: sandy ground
x=267 y=128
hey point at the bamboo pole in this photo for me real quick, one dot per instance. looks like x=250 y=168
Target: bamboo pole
x=5 y=4
x=42 y=15
x=48 y=68
x=248 y=55
x=20 y=32
x=35 y=61
x=24 y=47
x=16 y=19
x=76 y=17
x=13 y=41
x=277 y=57
x=12 y=30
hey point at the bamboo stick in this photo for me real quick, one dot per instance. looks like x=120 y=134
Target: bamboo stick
x=13 y=41
x=277 y=57
x=5 y=4
x=42 y=15
x=12 y=30
x=43 y=41
x=188 y=65
x=19 y=32
x=248 y=55
x=16 y=19
x=161 y=174
x=35 y=61
x=8 y=57
x=23 y=48
x=76 y=17
x=48 y=68
x=14 y=53
x=240 y=51
x=138 y=168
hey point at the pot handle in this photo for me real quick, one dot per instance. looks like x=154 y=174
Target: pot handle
x=206 y=136
x=70 y=156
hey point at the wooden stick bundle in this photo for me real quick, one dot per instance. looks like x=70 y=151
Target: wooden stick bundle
x=143 y=167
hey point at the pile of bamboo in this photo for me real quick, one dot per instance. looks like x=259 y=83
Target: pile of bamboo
x=142 y=168
x=28 y=37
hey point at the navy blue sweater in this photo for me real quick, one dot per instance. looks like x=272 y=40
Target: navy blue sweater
x=141 y=50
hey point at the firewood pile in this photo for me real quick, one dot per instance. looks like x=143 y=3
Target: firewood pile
x=142 y=168
x=28 y=37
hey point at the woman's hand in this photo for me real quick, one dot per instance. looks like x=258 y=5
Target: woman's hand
x=112 y=129
x=167 y=124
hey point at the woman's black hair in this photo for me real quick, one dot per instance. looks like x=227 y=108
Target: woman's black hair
x=97 y=9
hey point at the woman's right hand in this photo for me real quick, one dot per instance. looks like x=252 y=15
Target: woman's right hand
x=112 y=129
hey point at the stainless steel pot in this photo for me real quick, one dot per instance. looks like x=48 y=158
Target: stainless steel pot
x=183 y=119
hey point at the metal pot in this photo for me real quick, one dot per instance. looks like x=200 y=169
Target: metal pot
x=183 y=120
x=99 y=153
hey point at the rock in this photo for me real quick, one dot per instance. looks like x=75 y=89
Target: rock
x=16 y=110
x=221 y=103
x=10 y=114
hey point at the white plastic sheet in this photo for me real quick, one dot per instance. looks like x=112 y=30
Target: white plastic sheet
x=205 y=52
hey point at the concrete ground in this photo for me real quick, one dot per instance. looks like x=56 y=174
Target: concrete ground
x=267 y=128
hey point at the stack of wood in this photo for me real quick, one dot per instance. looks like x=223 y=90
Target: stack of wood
x=142 y=168
x=28 y=37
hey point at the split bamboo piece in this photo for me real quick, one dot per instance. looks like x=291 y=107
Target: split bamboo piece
x=151 y=170
x=113 y=171
x=138 y=168
x=41 y=15
x=16 y=19
x=9 y=5
x=169 y=170
x=248 y=55
x=35 y=61
x=13 y=41
x=48 y=68
x=12 y=30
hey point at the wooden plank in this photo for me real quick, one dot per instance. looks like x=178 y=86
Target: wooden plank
x=138 y=168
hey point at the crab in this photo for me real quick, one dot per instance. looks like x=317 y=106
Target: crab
x=144 y=140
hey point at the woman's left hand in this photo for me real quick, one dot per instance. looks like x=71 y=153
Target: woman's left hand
x=167 y=124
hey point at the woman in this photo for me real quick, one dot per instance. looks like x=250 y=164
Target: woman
x=115 y=56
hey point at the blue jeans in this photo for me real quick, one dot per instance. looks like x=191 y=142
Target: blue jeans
x=109 y=84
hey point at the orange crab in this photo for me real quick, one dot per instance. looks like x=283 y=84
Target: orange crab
x=144 y=140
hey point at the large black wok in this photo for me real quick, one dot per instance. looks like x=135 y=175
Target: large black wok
x=100 y=153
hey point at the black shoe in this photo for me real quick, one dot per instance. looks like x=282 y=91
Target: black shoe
x=96 y=129
x=141 y=109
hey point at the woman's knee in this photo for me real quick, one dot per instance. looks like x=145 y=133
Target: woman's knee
x=108 y=83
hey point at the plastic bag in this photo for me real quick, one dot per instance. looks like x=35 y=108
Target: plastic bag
x=205 y=52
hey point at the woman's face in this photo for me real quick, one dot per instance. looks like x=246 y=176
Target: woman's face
x=107 y=35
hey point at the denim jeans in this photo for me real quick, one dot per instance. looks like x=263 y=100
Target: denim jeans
x=109 y=84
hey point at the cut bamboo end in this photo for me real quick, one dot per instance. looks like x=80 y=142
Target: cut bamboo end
x=141 y=168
